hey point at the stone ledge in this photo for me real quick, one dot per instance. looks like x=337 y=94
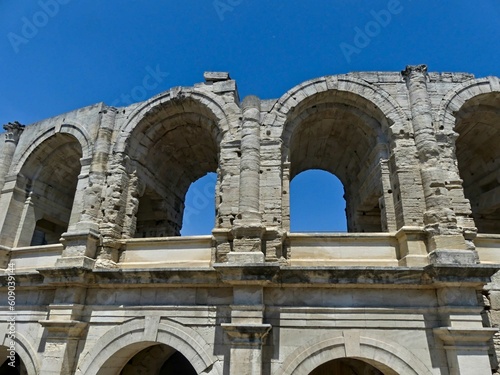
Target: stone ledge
x=464 y=336
x=265 y=274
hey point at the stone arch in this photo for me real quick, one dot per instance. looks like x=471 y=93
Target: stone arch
x=468 y=121
x=398 y=120
x=456 y=98
x=135 y=335
x=72 y=128
x=41 y=205
x=392 y=359
x=150 y=107
x=343 y=125
x=171 y=141
x=25 y=351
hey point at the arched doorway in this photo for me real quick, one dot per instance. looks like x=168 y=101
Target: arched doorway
x=158 y=360
x=11 y=367
x=346 y=366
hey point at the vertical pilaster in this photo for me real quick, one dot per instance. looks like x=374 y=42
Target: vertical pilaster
x=13 y=131
x=248 y=229
x=463 y=335
x=246 y=332
x=386 y=202
x=446 y=243
x=8 y=202
x=64 y=326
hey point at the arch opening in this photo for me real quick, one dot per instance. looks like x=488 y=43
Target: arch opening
x=9 y=366
x=199 y=208
x=317 y=202
x=331 y=134
x=478 y=127
x=48 y=180
x=171 y=149
x=348 y=366
x=147 y=358
x=158 y=360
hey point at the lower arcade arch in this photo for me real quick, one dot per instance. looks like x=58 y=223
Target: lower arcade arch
x=154 y=359
x=13 y=366
x=165 y=347
x=27 y=360
x=348 y=366
x=368 y=353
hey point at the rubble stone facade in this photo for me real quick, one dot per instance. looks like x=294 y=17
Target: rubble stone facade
x=92 y=203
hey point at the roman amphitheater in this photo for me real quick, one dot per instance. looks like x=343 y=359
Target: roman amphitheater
x=92 y=205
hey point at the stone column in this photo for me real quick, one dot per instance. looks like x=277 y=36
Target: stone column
x=27 y=223
x=248 y=229
x=446 y=243
x=98 y=167
x=114 y=209
x=13 y=131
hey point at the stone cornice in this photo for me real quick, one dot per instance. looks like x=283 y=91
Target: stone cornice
x=263 y=274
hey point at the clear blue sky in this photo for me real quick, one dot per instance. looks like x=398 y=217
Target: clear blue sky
x=59 y=55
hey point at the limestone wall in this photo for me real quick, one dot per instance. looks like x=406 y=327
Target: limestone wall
x=92 y=203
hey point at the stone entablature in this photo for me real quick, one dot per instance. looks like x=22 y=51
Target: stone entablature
x=93 y=202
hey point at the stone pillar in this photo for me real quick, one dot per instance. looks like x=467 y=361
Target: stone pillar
x=9 y=215
x=13 y=131
x=98 y=167
x=64 y=326
x=446 y=243
x=82 y=239
x=246 y=331
x=248 y=229
x=386 y=203
x=27 y=223
x=249 y=204
x=464 y=338
x=114 y=210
